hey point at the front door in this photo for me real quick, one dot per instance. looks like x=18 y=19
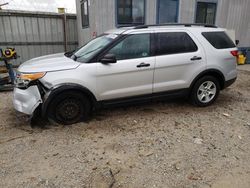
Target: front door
x=132 y=74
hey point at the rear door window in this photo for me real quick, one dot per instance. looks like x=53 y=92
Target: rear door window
x=174 y=43
x=219 y=40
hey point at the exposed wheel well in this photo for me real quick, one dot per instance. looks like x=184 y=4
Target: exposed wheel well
x=215 y=73
x=73 y=88
x=84 y=93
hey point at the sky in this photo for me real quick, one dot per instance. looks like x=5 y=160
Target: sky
x=40 y=5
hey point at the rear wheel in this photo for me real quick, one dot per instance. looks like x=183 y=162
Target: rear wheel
x=69 y=107
x=205 y=91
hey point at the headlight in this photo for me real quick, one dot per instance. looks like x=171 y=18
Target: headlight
x=23 y=80
x=33 y=76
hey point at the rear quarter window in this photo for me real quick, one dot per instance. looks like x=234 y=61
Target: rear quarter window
x=219 y=40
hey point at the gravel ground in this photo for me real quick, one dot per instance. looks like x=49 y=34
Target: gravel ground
x=167 y=144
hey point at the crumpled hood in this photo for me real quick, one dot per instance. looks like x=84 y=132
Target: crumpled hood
x=48 y=63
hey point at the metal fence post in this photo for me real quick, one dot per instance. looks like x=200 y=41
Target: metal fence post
x=65 y=32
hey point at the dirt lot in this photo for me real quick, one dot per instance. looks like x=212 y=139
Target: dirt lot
x=170 y=144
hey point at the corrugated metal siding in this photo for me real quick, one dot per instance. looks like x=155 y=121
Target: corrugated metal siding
x=231 y=14
x=36 y=34
x=187 y=11
x=151 y=11
x=102 y=17
x=238 y=18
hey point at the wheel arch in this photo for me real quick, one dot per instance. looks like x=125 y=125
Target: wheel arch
x=211 y=72
x=53 y=92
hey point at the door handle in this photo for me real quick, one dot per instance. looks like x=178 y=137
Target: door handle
x=143 y=65
x=196 y=58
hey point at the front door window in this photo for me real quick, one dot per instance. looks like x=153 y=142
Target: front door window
x=132 y=47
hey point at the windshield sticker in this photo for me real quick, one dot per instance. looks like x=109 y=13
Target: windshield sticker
x=112 y=36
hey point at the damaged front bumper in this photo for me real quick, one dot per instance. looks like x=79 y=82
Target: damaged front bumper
x=27 y=100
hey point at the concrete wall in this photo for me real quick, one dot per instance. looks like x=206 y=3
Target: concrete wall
x=35 y=34
x=231 y=14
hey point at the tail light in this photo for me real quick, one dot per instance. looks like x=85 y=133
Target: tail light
x=234 y=53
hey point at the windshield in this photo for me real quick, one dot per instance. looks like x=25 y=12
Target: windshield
x=85 y=53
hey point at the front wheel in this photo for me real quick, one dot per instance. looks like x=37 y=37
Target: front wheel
x=69 y=108
x=205 y=91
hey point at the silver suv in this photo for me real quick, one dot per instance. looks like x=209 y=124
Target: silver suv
x=127 y=65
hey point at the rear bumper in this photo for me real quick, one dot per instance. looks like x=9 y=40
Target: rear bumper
x=229 y=82
x=27 y=100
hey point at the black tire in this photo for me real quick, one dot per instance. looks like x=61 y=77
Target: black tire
x=196 y=96
x=69 y=107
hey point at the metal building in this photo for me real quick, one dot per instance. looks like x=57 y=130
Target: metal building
x=96 y=16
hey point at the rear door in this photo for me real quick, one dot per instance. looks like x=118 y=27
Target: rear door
x=179 y=57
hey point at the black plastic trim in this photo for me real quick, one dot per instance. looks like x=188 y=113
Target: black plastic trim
x=229 y=82
x=210 y=72
x=48 y=97
x=144 y=98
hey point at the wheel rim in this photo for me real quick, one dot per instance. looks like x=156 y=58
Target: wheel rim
x=68 y=110
x=206 y=92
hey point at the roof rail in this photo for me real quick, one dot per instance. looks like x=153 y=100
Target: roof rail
x=175 y=24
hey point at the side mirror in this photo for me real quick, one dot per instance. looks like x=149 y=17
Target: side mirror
x=108 y=58
x=237 y=42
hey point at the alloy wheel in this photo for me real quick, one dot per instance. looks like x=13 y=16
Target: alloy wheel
x=206 y=92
